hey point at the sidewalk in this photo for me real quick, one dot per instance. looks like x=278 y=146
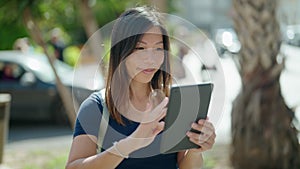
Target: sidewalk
x=4 y=167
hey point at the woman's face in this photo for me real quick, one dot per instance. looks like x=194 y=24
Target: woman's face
x=147 y=57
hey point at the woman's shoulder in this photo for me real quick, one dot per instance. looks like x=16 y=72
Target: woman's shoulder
x=95 y=98
x=92 y=105
x=89 y=115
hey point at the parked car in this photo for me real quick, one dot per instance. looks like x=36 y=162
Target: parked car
x=30 y=80
x=226 y=40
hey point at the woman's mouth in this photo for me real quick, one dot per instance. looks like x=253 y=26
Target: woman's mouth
x=148 y=71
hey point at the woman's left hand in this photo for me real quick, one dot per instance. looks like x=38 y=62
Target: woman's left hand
x=206 y=138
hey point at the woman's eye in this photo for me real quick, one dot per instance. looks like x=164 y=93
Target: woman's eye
x=139 y=48
x=159 y=49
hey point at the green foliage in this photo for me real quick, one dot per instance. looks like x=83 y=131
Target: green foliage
x=50 y=14
x=9 y=33
x=10 y=27
x=108 y=10
x=11 y=11
x=171 y=7
x=71 y=55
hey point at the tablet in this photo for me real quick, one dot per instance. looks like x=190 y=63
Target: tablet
x=187 y=104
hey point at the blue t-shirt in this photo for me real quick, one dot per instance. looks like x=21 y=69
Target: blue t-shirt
x=88 y=122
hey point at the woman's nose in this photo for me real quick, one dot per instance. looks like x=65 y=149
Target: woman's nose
x=148 y=56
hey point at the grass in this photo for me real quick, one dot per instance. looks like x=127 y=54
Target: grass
x=56 y=157
x=57 y=162
x=217 y=157
x=36 y=159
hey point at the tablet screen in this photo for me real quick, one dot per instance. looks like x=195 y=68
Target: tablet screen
x=187 y=104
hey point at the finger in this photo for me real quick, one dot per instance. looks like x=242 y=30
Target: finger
x=162 y=115
x=203 y=147
x=207 y=132
x=162 y=104
x=196 y=126
x=196 y=141
x=203 y=126
x=155 y=116
x=211 y=138
x=160 y=126
x=197 y=138
x=202 y=137
x=148 y=107
x=209 y=125
x=206 y=123
x=206 y=145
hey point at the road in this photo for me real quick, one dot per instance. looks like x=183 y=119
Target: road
x=31 y=135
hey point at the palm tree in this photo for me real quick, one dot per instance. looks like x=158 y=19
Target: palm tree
x=263 y=135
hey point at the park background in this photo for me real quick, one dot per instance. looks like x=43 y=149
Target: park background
x=28 y=145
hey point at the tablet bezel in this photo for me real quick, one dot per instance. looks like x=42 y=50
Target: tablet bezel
x=172 y=141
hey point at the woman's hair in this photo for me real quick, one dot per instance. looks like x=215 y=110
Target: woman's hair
x=127 y=31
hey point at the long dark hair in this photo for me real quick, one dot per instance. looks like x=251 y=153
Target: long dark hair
x=127 y=31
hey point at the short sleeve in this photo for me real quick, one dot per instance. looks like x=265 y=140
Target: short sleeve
x=89 y=116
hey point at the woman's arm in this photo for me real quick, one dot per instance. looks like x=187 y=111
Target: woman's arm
x=83 y=149
x=83 y=153
x=192 y=159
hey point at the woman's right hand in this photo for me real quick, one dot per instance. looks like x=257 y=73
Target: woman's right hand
x=150 y=126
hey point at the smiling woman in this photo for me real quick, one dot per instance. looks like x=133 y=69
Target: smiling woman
x=119 y=127
x=147 y=57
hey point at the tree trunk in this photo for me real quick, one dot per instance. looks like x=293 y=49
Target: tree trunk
x=34 y=31
x=263 y=135
x=91 y=29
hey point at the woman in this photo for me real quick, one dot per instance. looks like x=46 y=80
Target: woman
x=139 y=63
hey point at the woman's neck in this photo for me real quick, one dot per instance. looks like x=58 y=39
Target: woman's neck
x=139 y=94
x=139 y=91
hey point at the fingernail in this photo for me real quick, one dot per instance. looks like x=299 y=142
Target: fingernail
x=188 y=133
x=193 y=125
x=201 y=121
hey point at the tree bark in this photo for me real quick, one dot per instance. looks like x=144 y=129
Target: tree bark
x=91 y=29
x=34 y=31
x=263 y=135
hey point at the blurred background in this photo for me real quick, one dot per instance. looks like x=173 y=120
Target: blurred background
x=43 y=46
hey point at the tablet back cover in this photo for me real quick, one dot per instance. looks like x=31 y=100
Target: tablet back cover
x=187 y=104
